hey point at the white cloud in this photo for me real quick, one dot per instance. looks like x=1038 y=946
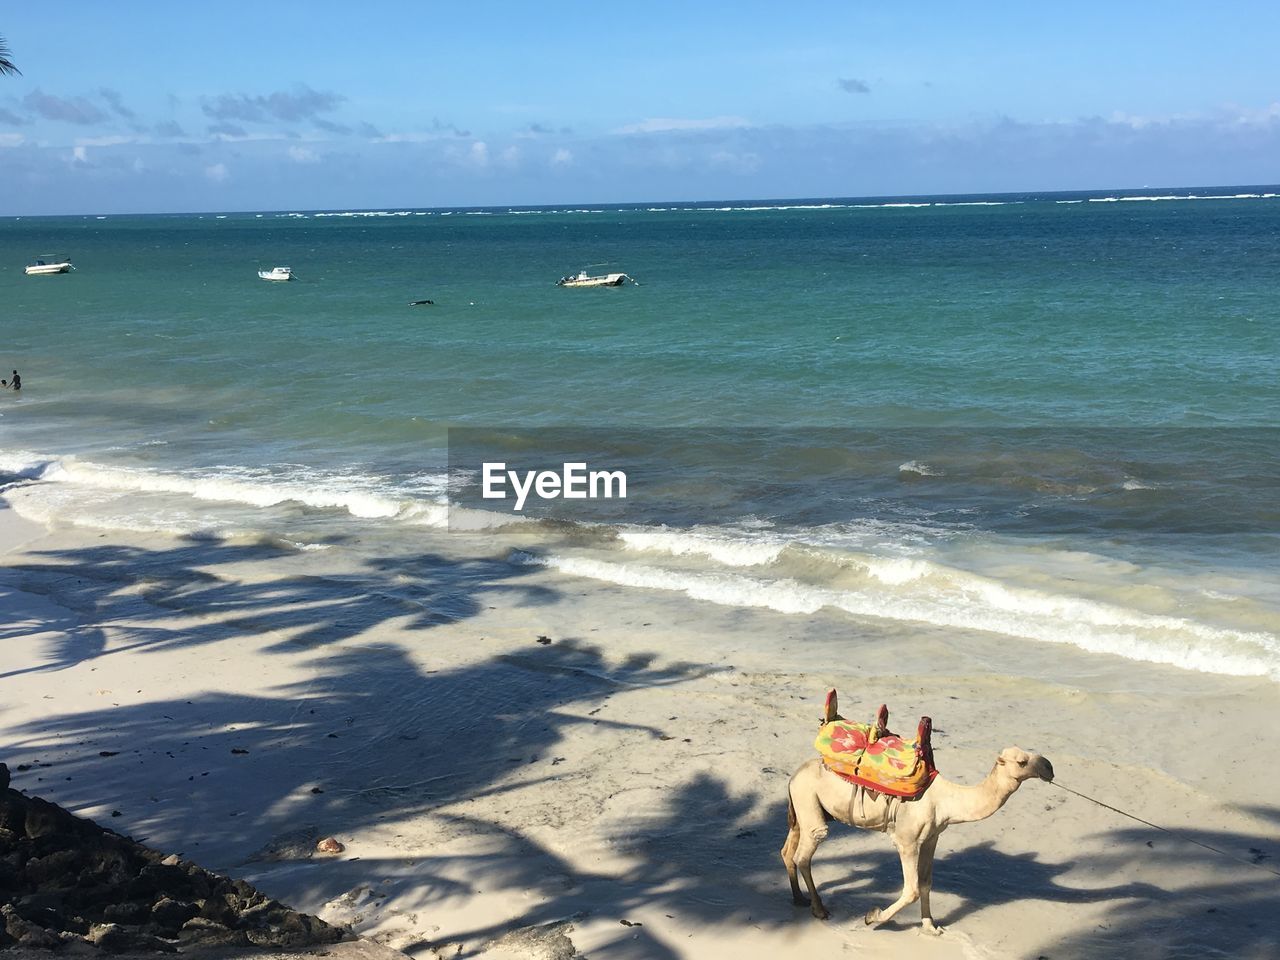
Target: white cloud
x=80 y=154
x=669 y=124
x=476 y=156
x=242 y=136
x=1227 y=115
x=217 y=172
x=303 y=155
x=562 y=158
x=11 y=139
x=1122 y=119
x=1249 y=116
x=511 y=156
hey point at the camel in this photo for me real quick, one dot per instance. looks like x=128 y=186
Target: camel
x=815 y=796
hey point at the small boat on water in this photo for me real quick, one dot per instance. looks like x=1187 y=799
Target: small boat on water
x=277 y=273
x=43 y=266
x=604 y=280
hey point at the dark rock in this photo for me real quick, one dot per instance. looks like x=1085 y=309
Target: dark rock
x=198 y=885
x=12 y=921
x=131 y=913
x=141 y=888
x=233 y=902
x=117 y=939
x=166 y=875
x=12 y=815
x=295 y=930
x=74 y=927
x=38 y=901
x=67 y=881
x=4 y=777
x=302 y=929
x=40 y=938
x=107 y=868
x=42 y=819
x=10 y=866
x=204 y=932
x=25 y=933
x=264 y=914
x=217 y=910
x=172 y=914
x=53 y=866
x=44 y=915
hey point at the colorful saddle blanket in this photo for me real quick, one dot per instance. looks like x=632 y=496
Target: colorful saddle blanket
x=870 y=755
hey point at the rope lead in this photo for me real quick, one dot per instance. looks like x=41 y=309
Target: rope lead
x=1172 y=833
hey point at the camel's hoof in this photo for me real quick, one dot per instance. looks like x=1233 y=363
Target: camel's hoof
x=872 y=917
x=929 y=929
x=820 y=913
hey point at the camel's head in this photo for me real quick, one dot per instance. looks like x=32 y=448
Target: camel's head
x=1017 y=763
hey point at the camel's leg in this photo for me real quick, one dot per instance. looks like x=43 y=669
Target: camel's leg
x=926 y=886
x=909 y=854
x=809 y=840
x=811 y=830
x=789 y=854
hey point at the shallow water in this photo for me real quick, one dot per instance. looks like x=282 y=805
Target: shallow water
x=1052 y=417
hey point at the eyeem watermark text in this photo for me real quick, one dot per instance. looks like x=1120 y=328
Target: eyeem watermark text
x=573 y=482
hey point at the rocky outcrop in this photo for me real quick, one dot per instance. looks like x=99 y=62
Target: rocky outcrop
x=64 y=879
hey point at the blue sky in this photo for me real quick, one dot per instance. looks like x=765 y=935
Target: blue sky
x=152 y=107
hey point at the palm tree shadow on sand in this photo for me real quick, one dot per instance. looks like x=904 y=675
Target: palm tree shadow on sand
x=373 y=733
x=403 y=735
x=143 y=590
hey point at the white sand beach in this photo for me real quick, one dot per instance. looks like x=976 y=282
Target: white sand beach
x=621 y=781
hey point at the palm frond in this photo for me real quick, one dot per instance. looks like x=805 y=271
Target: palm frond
x=6 y=65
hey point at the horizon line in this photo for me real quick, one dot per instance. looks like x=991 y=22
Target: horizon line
x=631 y=204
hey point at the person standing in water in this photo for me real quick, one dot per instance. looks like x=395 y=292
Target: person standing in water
x=17 y=381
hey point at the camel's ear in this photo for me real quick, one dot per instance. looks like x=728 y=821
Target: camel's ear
x=882 y=721
x=831 y=709
x=1000 y=760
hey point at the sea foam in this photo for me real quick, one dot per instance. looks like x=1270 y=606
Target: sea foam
x=356 y=495
x=966 y=601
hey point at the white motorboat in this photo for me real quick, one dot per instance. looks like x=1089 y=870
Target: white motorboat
x=277 y=273
x=604 y=280
x=43 y=266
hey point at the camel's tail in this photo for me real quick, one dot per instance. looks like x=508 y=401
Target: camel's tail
x=791 y=811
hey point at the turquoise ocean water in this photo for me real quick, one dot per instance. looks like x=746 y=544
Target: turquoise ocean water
x=1050 y=416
